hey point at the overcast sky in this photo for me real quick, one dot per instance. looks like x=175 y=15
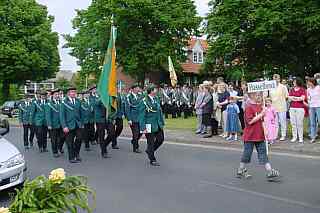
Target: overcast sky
x=64 y=12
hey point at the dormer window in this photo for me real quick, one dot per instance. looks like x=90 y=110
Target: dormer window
x=198 y=57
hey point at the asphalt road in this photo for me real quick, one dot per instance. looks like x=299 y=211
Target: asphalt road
x=190 y=179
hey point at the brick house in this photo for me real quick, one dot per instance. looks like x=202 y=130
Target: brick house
x=196 y=52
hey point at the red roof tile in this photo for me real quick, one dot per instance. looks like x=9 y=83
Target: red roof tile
x=191 y=68
x=193 y=41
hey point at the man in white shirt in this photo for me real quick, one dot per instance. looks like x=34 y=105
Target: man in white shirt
x=279 y=98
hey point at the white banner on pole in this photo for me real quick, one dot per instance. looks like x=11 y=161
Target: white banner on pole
x=261 y=86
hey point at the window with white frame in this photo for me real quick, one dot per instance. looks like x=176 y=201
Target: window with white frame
x=195 y=57
x=198 y=57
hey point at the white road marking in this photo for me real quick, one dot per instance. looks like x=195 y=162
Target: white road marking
x=263 y=195
x=202 y=146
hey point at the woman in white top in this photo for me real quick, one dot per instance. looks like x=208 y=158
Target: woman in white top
x=313 y=93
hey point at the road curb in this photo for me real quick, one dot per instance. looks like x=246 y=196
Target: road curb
x=237 y=145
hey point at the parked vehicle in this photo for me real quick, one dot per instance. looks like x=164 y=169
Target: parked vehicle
x=10 y=108
x=12 y=164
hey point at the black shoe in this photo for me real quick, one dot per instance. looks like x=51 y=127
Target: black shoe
x=88 y=149
x=56 y=155
x=115 y=147
x=73 y=161
x=78 y=159
x=26 y=148
x=105 y=155
x=61 y=151
x=93 y=143
x=154 y=163
x=137 y=151
x=45 y=150
x=40 y=150
x=208 y=136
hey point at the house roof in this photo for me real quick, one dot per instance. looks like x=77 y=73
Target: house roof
x=191 y=68
x=193 y=41
x=62 y=74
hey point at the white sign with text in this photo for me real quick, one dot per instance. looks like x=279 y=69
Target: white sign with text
x=261 y=86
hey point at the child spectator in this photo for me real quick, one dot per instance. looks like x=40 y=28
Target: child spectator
x=270 y=122
x=232 y=125
x=253 y=136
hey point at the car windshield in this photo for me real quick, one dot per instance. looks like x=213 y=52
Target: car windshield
x=9 y=104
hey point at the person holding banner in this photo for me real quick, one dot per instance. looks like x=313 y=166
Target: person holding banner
x=297 y=96
x=253 y=136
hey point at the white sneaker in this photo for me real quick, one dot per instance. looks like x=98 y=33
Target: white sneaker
x=293 y=140
x=300 y=141
x=282 y=138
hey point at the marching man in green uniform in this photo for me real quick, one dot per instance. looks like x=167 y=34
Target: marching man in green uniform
x=53 y=122
x=87 y=115
x=100 y=121
x=24 y=119
x=151 y=123
x=38 y=115
x=121 y=104
x=71 y=122
x=133 y=110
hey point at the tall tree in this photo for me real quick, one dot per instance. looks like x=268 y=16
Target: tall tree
x=28 y=47
x=148 y=31
x=265 y=35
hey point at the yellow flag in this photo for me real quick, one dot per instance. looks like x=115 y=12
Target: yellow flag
x=173 y=75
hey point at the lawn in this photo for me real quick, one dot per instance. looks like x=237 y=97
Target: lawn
x=189 y=124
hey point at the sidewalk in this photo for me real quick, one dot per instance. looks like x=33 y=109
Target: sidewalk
x=190 y=138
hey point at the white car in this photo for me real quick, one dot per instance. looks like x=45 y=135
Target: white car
x=12 y=164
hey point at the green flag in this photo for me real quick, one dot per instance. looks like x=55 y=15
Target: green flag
x=107 y=87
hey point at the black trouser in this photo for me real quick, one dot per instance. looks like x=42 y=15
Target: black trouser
x=173 y=110
x=91 y=132
x=241 y=118
x=41 y=133
x=136 y=135
x=26 y=128
x=119 y=128
x=179 y=110
x=186 y=110
x=86 y=135
x=62 y=140
x=154 y=141
x=73 y=140
x=32 y=133
x=111 y=130
x=166 y=109
x=100 y=134
x=56 y=135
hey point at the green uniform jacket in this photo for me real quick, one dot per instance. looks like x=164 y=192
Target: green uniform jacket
x=121 y=106
x=151 y=113
x=87 y=112
x=133 y=107
x=24 y=113
x=38 y=113
x=99 y=111
x=53 y=114
x=70 y=114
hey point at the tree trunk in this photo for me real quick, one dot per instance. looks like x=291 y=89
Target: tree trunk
x=5 y=90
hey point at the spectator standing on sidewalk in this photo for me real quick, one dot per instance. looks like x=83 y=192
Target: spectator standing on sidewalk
x=297 y=96
x=207 y=110
x=198 y=109
x=279 y=98
x=223 y=96
x=313 y=94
